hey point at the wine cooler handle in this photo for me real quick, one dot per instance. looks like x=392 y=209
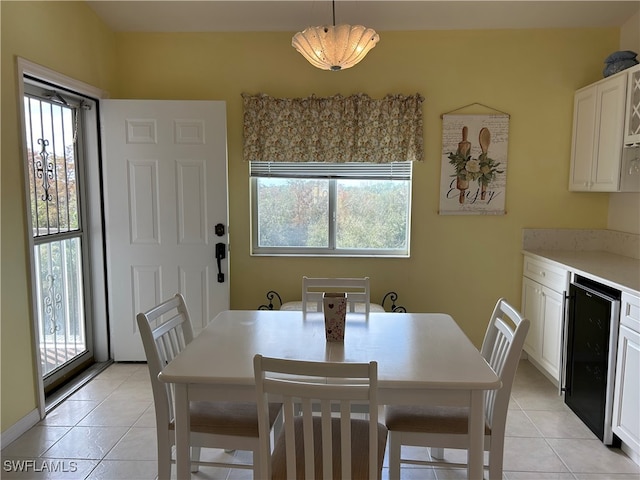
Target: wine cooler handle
x=563 y=344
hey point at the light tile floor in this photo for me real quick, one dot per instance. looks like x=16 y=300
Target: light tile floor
x=106 y=431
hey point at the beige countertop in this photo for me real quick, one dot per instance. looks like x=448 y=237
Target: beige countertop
x=618 y=271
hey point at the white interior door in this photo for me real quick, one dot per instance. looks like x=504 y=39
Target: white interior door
x=165 y=170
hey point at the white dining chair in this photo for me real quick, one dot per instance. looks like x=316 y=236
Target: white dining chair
x=166 y=330
x=447 y=427
x=358 y=292
x=320 y=445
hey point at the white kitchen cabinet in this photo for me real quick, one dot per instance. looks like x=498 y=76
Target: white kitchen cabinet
x=626 y=397
x=632 y=118
x=543 y=291
x=598 y=127
x=532 y=309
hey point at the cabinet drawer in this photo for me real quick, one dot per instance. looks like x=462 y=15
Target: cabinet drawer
x=630 y=312
x=548 y=275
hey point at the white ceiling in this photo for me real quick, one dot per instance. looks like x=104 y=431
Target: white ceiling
x=295 y=15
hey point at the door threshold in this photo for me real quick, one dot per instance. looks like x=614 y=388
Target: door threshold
x=58 y=396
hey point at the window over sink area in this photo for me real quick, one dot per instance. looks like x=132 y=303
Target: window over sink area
x=332 y=209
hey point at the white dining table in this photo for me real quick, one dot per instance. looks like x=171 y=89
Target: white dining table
x=423 y=358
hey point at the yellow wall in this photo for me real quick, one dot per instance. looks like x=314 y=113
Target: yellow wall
x=69 y=38
x=459 y=264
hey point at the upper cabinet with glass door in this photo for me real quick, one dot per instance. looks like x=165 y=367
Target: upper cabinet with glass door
x=632 y=118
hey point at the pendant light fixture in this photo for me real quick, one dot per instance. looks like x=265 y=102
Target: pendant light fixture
x=335 y=47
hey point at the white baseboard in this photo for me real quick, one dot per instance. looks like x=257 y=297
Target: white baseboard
x=19 y=428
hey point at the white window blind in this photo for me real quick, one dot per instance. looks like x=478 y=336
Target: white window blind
x=363 y=171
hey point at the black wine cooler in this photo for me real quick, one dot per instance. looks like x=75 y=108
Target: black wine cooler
x=591 y=339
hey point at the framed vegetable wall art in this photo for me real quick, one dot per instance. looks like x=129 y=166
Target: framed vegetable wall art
x=473 y=177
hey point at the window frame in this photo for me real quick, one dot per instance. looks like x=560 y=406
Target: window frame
x=332 y=172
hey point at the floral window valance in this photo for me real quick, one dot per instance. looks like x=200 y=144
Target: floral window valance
x=338 y=129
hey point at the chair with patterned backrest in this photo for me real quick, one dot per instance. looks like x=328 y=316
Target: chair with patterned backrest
x=447 y=427
x=166 y=330
x=320 y=445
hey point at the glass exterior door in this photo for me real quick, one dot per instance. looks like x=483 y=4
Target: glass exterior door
x=54 y=154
